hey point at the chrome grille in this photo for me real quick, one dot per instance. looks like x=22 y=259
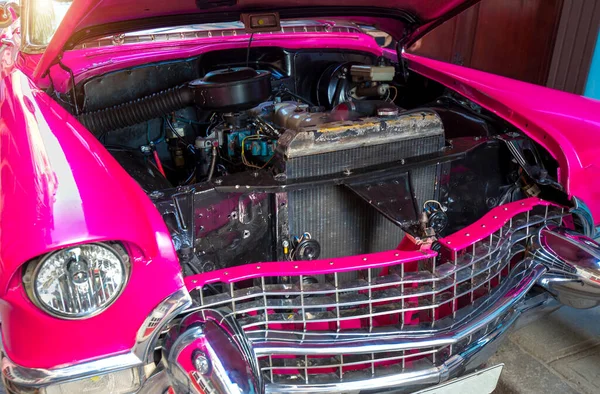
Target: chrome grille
x=388 y=293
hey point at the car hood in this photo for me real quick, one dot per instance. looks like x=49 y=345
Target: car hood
x=406 y=20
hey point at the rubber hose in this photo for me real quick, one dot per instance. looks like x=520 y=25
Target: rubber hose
x=138 y=111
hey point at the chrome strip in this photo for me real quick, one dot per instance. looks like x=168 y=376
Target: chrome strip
x=38 y=377
x=470 y=358
x=587 y=220
x=221 y=345
x=150 y=330
x=508 y=294
x=137 y=357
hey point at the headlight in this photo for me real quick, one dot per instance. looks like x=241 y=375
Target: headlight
x=77 y=282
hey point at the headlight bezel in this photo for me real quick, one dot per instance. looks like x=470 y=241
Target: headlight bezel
x=32 y=268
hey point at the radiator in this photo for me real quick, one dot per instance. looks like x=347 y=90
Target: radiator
x=341 y=221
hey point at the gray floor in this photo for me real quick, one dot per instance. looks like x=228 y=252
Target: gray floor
x=559 y=353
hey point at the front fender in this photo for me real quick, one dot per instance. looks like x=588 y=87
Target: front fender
x=566 y=125
x=58 y=187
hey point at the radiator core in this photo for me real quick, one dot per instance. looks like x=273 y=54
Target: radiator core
x=341 y=221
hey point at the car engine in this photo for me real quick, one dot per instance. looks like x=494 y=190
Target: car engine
x=280 y=161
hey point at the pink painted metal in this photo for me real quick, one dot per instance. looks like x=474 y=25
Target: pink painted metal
x=59 y=187
x=315 y=267
x=85 y=14
x=567 y=125
x=490 y=223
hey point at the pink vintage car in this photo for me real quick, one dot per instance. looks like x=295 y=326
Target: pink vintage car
x=258 y=196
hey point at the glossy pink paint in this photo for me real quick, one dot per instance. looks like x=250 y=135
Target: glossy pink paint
x=315 y=267
x=58 y=187
x=567 y=125
x=86 y=14
x=490 y=223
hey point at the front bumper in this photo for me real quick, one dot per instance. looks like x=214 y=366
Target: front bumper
x=474 y=338
x=283 y=339
x=475 y=341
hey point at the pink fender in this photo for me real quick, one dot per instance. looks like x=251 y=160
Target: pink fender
x=58 y=187
x=567 y=125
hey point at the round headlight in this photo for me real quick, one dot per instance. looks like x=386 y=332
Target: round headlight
x=77 y=282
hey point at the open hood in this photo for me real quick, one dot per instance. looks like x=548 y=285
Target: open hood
x=406 y=20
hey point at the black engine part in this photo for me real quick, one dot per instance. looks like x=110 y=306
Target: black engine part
x=233 y=89
x=138 y=111
x=333 y=85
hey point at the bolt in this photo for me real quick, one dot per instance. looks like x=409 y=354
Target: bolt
x=201 y=362
x=285 y=243
x=156 y=194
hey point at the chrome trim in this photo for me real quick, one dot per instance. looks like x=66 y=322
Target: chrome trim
x=495 y=306
x=136 y=358
x=228 y=29
x=587 y=219
x=224 y=349
x=573 y=261
x=156 y=321
x=468 y=359
x=536 y=306
x=300 y=356
x=39 y=377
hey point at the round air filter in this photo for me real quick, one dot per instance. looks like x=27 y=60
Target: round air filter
x=232 y=89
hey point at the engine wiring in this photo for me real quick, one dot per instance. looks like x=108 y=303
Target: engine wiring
x=256 y=137
x=395 y=93
x=444 y=209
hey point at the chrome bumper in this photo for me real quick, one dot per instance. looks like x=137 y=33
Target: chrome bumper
x=476 y=336
x=499 y=316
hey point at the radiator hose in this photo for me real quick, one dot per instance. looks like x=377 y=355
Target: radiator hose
x=138 y=111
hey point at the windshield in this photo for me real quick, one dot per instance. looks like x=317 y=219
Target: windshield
x=42 y=18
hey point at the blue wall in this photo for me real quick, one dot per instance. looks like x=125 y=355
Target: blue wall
x=592 y=88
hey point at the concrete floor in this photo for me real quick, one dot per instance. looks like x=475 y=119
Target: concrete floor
x=559 y=353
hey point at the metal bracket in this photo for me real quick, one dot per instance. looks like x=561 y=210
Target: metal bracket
x=390 y=195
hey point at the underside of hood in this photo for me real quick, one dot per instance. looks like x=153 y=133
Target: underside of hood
x=405 y=20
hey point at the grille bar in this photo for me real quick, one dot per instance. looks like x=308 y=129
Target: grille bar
x=375 y=298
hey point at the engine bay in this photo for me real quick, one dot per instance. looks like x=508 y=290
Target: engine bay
x=303 y=155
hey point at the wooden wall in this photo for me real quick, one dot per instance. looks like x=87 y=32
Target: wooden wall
x=575 y=44
x=514 y=38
